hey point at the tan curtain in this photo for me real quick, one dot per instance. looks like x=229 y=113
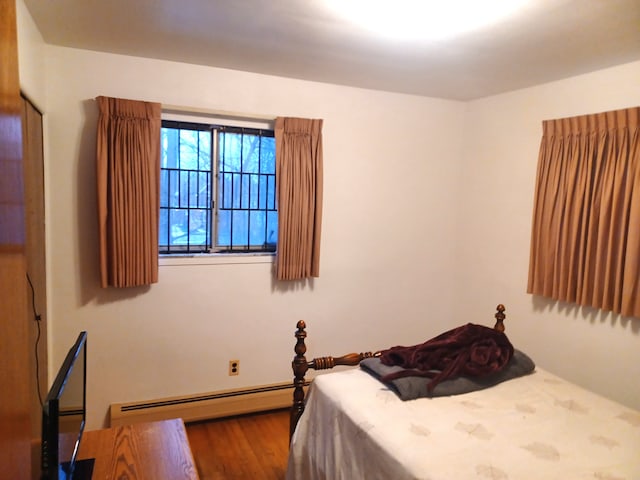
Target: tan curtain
x=299 y=190
x=128 y=176
x=585 y=241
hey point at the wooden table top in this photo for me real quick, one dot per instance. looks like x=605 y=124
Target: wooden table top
x=141 y=451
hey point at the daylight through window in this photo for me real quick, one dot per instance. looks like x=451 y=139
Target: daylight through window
x=217 y=189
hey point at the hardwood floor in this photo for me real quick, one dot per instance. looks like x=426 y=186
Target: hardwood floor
x=246 y=447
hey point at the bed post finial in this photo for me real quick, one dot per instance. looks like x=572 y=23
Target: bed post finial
x=300 y=367
x=500 y=316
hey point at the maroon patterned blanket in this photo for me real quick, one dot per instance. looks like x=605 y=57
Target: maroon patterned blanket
x=469 y=350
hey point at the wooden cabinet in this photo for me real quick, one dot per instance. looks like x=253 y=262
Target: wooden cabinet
x=140 y=451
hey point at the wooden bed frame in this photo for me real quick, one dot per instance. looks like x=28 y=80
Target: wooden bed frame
x=300 y=365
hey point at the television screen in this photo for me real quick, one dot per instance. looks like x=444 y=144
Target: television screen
x=63 y=415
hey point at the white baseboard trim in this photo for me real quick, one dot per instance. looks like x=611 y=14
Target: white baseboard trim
x=205 y=406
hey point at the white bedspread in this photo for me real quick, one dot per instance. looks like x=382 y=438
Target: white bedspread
x=534 y=427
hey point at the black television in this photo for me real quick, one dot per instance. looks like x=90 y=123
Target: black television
x=64 y=416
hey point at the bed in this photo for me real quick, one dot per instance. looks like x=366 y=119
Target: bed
x=350 y=425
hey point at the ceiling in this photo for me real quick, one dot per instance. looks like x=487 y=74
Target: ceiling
x=547 y=40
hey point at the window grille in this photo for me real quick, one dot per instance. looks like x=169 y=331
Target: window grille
x=217 y=187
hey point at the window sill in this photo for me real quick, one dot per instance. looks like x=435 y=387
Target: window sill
x=215 y=259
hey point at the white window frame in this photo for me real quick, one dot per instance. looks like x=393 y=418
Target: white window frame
x=217 y=258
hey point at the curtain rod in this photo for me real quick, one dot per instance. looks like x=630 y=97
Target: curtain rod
x=216 y=113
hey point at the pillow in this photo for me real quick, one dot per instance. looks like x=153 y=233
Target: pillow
x=409 y=388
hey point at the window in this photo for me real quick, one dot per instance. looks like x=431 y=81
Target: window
x=217 y=189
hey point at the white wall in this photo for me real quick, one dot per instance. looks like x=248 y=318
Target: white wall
x=31 y=56
x=386 y=259
x=592 y=348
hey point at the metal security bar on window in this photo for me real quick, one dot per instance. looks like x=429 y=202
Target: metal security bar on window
x=185 y=188
x=241 y=177
x=247 y=216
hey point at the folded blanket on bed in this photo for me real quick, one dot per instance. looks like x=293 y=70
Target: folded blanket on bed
x=470 y=350
x=411 y=387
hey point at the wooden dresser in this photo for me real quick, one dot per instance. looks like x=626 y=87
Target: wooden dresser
x=141 y=451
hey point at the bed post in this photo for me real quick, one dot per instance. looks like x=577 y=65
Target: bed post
x=499 y=326
x=300 y=367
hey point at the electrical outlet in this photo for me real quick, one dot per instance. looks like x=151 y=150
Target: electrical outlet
x=234 y=367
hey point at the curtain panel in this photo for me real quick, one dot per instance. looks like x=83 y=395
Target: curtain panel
x=128 y=183
x=585 y=240
x=299 y=194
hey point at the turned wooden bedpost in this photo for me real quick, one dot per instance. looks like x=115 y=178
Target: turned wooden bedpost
x=499 y=326
x=300 y=367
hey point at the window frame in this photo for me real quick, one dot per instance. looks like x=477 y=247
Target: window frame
x=215 y=254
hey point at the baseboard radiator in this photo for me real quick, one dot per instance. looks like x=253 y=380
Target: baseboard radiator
x=205 y=406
